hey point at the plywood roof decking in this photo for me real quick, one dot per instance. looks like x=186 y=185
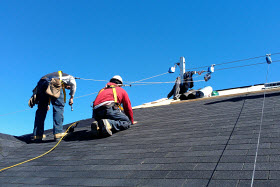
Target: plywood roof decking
x=187 y=144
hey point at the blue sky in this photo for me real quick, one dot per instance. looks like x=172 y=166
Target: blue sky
x=134 y=39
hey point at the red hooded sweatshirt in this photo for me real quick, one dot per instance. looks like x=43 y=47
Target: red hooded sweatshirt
x=108 y=95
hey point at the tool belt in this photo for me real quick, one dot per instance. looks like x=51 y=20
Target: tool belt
x=54 y=87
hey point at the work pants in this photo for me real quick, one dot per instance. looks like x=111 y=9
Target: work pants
x=176 y=89
x=58 y=110
x=117 y=119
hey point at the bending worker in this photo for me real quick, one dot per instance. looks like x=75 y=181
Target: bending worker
x=51 y=88
x=108 y=113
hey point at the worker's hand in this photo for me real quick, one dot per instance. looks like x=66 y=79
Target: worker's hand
x=135 y=122
x=71 y=101
x=48 y=107
x=67 y=87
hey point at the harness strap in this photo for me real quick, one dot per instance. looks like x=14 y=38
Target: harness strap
x=101 y=91
x=114 y=93
x=63 y=88
x=115 y=97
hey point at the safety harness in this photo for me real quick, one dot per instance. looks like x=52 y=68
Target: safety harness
x=115 y=95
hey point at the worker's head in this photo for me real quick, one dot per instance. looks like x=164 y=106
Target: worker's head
x=117 y=80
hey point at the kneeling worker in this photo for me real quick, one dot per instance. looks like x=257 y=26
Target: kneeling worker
x=110 y=116
x=51 y=88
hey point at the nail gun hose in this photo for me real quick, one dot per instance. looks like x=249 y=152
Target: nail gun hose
x=1 y=170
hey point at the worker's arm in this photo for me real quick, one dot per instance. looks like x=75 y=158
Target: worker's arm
x=71 y=85
x=127 y=106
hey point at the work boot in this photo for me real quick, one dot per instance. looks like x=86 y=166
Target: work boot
x=43 y=137
x=105 y=127
x=38 y=139
x=59 y=135
x=94 y=128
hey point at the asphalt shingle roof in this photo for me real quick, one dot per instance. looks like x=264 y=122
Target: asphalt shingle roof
x=200 y=143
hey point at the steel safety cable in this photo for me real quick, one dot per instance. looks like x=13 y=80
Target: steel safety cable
x=205 y=71
x=240 y=66
x=91 y=79
x=231 y=62
x=15 y=112
x=260 y=129
x=86 y=95
x=164 y=82
x=140 y=81
x=245 y=65
x=186 y=69
x=275 y=53
x=201 y=74
x=130 y=82
x=241 y=60
x=148 y=78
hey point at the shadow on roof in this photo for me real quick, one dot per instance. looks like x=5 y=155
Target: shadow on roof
x=82 y=135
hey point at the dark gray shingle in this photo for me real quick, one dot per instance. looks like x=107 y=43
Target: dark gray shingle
x=199 y=143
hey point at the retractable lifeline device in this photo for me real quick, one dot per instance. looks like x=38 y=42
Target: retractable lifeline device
x=182 y=65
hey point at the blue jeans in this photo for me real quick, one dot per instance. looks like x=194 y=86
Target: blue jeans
x=117 y=119
x=58 y=110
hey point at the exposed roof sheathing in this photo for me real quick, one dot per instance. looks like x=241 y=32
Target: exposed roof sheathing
x=207 y=142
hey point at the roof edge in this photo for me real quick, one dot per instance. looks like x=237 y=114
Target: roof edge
x=244 y=90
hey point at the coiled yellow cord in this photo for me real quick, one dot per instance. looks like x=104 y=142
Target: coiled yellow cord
x=41 y=154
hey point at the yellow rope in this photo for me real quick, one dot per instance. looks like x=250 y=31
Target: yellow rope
x=41 y=154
